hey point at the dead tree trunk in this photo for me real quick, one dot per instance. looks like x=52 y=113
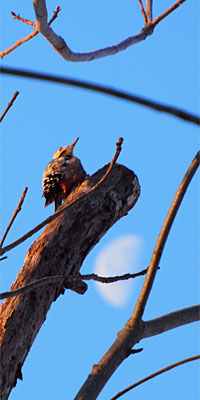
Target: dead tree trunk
x=60 y=250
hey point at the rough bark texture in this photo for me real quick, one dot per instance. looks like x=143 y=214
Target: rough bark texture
x=60 y=250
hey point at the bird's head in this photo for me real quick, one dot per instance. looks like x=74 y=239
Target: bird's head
x=65 y=151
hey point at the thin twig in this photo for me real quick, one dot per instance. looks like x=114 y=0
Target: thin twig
x=55 y=14
x=143 y=12
x=167 y=12
x=30 y=36
x=26 y=21
x=162 y=238
x=17 y=210
x=3 y=258
x=18 y=43
x=186 y=360
x=112 y=279
x=118 y=150
x=177 y=112
x=68 y=279
x=59 y=212
x=9 y=105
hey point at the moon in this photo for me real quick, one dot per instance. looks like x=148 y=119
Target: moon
x=118 y=257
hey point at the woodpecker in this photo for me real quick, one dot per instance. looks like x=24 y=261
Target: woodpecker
x=62 y=175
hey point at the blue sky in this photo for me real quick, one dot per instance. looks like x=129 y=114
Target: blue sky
x=157 y=147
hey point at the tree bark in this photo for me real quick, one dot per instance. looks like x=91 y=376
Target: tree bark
x=60 y=250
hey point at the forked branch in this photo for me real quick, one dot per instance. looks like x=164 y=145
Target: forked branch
x=59 y=44
x=133 y=331
x=31 y=35
x=62 y=48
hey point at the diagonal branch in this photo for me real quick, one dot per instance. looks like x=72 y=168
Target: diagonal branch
x=177 y=112
x=147 y=378
x=167 y=12
x=162 y=238
x=9 y=105
x=118 y=150
x=30 y=36
x=143 y=12
x=17 y=210
x=62 y=48
x=26 y=21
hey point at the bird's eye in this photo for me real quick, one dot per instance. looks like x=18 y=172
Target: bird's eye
x=63 y=154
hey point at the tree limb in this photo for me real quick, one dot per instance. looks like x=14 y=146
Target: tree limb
x=171 y=321
x=162 y=238
x=134 y=328
x=177 y=112
x=61 y=47
x=60 y=250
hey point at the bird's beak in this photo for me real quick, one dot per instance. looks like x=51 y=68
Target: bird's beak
x=71 y=146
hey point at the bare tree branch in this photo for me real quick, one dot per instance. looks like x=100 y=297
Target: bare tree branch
x=177 y=112
x=143 y=12
x=61 y=47
x=162 y=238
x=112 y=279
x=28 y=37
x=9 y=105
x=26 y=21
x=70 y=278
x=149 y=5
x=118 y=150
x=171 y=321
x=18 y=43
x=17 y=210
x=134 y=328
x=167 y=12
x=177 y=364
